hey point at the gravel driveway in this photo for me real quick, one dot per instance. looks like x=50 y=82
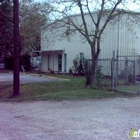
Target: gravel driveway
x=104 y=119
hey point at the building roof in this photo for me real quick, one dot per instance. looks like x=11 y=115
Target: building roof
x=122 y=11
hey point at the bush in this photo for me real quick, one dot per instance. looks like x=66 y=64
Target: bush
x=76 y=64
x=70 y=71
x=99 y=76
x=79 y=66
x=9 y=62
x=25 y=62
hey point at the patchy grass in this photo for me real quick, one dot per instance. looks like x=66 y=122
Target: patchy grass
x=130 y=88
x=66 y=90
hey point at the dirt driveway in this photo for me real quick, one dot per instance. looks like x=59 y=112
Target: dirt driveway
x=104 y=119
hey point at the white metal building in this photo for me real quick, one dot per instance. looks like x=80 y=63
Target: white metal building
x=58 y=52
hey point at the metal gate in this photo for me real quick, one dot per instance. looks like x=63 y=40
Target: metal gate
x=128 y=74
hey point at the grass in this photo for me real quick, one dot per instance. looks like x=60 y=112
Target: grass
x=131 y=88
x=65 y=90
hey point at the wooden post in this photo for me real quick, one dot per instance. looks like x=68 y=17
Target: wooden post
x=16 y=49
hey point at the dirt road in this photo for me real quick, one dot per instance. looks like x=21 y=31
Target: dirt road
x=104 y=119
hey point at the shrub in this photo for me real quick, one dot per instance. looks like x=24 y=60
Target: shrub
x=79 y=66
x=76 y=64
x=9 y=61
x=99 y=76
x=70 y=71
x=25 y=62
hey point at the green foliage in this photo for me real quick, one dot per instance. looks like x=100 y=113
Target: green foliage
x=76 y=64
x=82 y=67
x=99 y=76
x=25 y=61
x=70 y=70
x=79 y=66
x=33 y=16
x=6 y=27
x=9 y=61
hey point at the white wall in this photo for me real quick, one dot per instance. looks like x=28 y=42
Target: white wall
x=123 y=35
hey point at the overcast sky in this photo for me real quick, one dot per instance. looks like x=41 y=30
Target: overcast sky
x=130 y=6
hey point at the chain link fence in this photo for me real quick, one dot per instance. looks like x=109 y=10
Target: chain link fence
x=128 y=74
x=103 y=73
x=121 y=73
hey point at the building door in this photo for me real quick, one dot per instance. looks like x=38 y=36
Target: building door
x=59 y=62
x=65 y=62
x=48 y=62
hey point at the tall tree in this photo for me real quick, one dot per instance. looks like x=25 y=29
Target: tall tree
x=33 y=15
x=100 y=12
x=6 y=27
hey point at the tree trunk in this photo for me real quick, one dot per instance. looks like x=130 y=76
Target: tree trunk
x=94 y=55
x=93 y=72
x=94 y=60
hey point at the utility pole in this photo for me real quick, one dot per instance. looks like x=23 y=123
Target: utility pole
x=16 y=80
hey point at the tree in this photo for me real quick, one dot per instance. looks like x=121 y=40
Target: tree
x=100 y=12
x=6 y=27
x=33 y=15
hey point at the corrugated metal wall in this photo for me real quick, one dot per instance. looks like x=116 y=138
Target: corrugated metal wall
x=123 y=35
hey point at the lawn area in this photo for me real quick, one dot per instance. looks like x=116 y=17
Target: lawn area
x=131 y=88
x=65 y=90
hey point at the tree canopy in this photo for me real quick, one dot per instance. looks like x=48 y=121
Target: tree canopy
x=6 y=27
x=33 y=15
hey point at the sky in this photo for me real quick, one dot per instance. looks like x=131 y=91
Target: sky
x=130 y=6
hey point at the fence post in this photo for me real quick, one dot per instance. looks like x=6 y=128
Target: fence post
x=138 y=74
x=117 y=69
x=134 y=77
x=126 y=70
x=112 y=70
